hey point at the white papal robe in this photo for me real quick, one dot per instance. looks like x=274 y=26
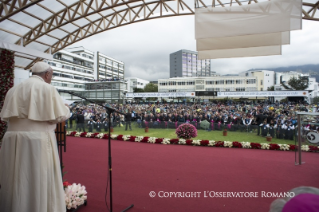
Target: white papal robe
x=30 y=175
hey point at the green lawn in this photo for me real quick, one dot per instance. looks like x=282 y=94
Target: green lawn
x=202 y=135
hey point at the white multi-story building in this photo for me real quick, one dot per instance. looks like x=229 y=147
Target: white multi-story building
x=134 y=82
x=266 y=78
x=77 y=69
x=218 y=83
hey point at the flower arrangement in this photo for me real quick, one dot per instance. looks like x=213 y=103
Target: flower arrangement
x=151 y=140
x=166 y=141
x=100 y=135
x=139 y=138
x=77 y=134
x=228 y=144
x=189 y=142
x=6 y=79
x=220 y=144
x=265 y=146
x=75 y=195
x=313 y=148
x=181 y=141
x=274 y=146
x=237 y=144
x=113 y=136
x=196 y=142
x=204 y=142
x=126 y=137
x=246 y=145
x=255 y=145
x=174 y=141
x=132 y=138
x=145 y=139
x=210 y=143
x=105 y=136
x=186 y=131
x=305 y=148
x=284 y=147
x=94 y=135
x=83 y=134
x=159 y=140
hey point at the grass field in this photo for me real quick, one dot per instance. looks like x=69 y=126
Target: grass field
x=202 y=135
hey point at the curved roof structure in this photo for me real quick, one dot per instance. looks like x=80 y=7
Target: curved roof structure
x=51 y=25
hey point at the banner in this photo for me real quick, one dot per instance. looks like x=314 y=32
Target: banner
x=262 y=93
x=145 y=95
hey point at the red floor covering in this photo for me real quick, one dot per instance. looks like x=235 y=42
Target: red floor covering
x=139 y=168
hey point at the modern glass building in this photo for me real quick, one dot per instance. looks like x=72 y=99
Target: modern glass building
x=185 y=63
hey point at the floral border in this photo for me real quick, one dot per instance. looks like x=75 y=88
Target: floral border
x=6 y=81
x=209 y=143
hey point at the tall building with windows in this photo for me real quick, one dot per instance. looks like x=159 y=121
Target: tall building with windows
x=78 y=69
x=185 y=63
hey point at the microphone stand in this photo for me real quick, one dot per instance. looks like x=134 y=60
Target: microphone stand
x=109 y=111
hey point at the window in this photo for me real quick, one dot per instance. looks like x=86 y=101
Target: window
x=261 y=82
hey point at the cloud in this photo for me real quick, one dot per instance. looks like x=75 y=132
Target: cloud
x=144 y=47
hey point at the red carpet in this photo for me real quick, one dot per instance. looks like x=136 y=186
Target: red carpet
x=139 y=168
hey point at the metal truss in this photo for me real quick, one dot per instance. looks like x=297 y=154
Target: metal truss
x=85 y=18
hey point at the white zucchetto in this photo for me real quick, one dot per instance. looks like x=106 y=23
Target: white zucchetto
x=40 y=67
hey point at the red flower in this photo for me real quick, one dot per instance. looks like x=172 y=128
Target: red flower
x=204 y=142
x=274 y=146
x=313 y=148
x=105 y=136
x=255 y=145
x=119 y=137
x=132 y=138
x=292 y=147
x=159 y=140
x=189 y=142
x=83 y=134
x=174 y=141
x=220 y=144
x=236 y=144
x=65 y=184
x=145 y=139
x=73 y=133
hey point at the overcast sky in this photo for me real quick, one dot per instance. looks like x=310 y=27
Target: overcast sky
x=145 y=47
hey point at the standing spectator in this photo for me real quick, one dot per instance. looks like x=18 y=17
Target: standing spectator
x=91 y=125
x=128 y=119
x=80 y=121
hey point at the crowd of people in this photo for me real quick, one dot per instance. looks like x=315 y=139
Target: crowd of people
x=277 y=120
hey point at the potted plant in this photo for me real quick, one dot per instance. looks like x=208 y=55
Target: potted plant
x=268 y=137
x=225 y=132
x=146 y=129
x=112 y=130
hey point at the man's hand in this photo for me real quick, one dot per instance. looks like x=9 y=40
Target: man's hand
x=67 y=105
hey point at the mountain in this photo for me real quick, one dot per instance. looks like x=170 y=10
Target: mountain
x=311 y=69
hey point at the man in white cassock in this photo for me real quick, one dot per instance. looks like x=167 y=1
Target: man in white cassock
x=30 y=175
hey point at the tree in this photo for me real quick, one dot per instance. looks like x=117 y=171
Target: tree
x=150 y=87
x=271 y=88
x=300 y=83
x=316 y=100
x=138 y=90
